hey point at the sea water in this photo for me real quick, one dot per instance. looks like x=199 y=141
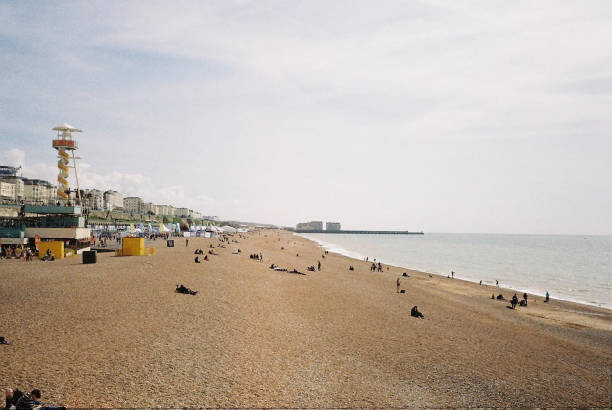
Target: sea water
x=574 y=268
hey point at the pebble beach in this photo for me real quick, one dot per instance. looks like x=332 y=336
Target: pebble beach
x=116 y=334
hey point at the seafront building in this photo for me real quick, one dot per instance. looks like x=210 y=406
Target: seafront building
x=38 y=191
x=332 y=226
x=133 y=205
x=93 y=199
x=17 y=190
x=310 y=226
x=113 y=200
x=181 y=212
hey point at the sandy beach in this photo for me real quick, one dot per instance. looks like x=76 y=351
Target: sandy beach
x=115 y=334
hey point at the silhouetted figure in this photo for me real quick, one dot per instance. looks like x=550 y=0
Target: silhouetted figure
x=398 y=284
x=514 y=301
x=547 y=297
x=414 y=312
x=319 y=266
x=185 y=290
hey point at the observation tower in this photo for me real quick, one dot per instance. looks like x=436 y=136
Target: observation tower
x=64 y=143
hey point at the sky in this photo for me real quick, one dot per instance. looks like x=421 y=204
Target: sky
x=442 y=116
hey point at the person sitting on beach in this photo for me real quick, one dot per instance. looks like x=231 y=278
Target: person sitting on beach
x=351 y=267
x=11 y=397
x=185 y=290
x=3 y=341
x=206 y=258
x=514 y=301
x=500 y=297
x=26 y=400
x=523 y=303
x=197 y=259
x=414 y=312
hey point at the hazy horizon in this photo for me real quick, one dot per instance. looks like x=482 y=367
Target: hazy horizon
x=450 y=117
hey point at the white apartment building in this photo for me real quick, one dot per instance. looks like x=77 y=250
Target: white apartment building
x=39 y=191
x=181 y=212
x=132 y=205
x=113 y=200
x=7 y=191
x=165 y=210
x=94 y=199
x=310 y=226
x=149 y=207
x=19 y=186
x=332 y=226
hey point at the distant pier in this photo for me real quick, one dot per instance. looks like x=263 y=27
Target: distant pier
x=361 y=232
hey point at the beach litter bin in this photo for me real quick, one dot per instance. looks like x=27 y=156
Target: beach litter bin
x=170 y=243
x=90 y=257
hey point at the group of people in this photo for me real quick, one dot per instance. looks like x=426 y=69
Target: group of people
x=515 y=300
x=18 y=252
x=22 y=401
x=256 y=256
x=376 y=267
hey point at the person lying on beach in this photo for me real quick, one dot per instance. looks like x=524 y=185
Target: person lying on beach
x=414 y=312
x=272 y=266
x=296 y=271
x=3 y=341
x=185 y=290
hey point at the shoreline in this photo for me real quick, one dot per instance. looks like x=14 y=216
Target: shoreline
x=357 y=256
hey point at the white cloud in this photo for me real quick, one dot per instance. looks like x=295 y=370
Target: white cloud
x=13 y=157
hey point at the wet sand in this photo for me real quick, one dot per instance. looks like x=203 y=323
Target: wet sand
x=115 y=334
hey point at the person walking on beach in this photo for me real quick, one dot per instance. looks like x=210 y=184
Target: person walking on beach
x=398 y=284
x=186 y=242
x=452 y=274
x=319 y=266
x=547 y=297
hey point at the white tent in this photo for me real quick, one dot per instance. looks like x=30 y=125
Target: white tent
x=228 y=228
